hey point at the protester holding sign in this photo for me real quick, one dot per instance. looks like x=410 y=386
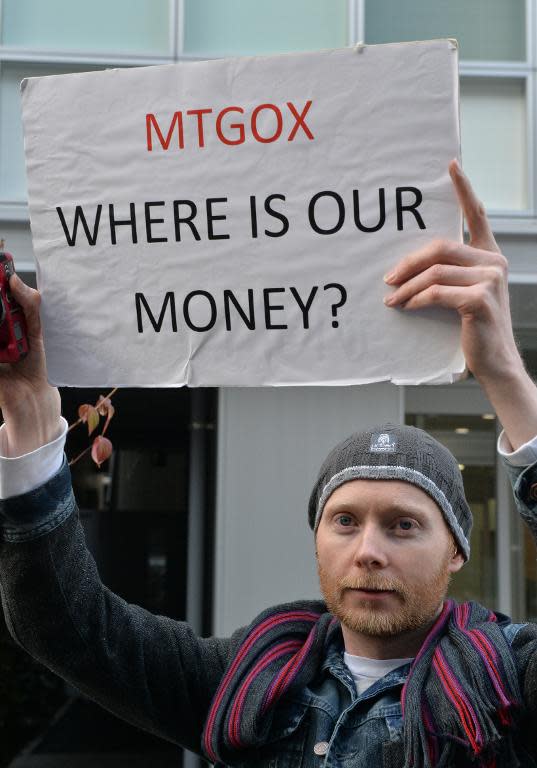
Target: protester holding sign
x=388 y=672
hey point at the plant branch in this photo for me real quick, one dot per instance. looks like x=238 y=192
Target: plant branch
x=109 y=413
x=76 y=423
x=73 y=461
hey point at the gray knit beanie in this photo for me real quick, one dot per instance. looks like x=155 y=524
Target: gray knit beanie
x=393 y=452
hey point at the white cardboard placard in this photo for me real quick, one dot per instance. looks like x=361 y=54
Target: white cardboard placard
x=239 y=215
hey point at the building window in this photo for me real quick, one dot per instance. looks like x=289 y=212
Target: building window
x=487 y=30
x=139 y=27
x=274 y=27
x=498 y=71
x=496 y=159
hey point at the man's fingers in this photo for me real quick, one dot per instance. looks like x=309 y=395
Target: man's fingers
x=441 y=252
x=474 y=212
x=441 y=274
x=29 y=299
x=465 y=299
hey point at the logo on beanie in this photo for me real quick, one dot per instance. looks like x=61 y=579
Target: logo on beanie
x=383 y=442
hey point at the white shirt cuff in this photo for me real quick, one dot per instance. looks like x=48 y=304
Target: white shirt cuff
x=523 y=456
x=21 y=474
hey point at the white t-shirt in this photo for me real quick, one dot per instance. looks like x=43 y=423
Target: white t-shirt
x=366 y=671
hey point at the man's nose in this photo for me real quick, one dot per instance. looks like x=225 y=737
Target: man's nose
x=370 y=550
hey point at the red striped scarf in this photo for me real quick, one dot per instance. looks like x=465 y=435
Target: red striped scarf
x=460 y=693
x=464 y=682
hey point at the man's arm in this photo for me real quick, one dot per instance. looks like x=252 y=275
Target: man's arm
x=149 y=670
x=472 y=279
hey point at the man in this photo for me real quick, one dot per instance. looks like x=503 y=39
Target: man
x=392 y=673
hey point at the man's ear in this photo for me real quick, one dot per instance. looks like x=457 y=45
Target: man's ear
x=457 y=559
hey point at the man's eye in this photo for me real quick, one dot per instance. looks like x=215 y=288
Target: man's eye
x=345 y=520
x=405 y=525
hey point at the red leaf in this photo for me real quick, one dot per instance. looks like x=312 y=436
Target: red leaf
x=101 y=450
x=89 y=414
x=83 y=412
x=103 y=404
x=105 y=408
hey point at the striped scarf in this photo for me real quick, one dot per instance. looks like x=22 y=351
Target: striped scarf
x=461 y=690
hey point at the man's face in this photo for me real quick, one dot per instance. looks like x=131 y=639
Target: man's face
x=385 y=556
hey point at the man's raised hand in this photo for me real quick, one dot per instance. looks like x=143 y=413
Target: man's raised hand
x=472 y=279
x=30 y=406
x=469 y=278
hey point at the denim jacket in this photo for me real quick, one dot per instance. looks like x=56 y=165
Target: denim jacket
x=329 y=724
x=155 y=673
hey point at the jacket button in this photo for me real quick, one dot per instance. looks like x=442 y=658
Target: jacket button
x=533 y=492
x=321 y=748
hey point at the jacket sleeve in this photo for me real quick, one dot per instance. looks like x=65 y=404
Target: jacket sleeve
x=151 y=671
x=524 y=483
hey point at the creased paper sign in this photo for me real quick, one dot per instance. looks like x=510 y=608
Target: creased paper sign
x=228 y=222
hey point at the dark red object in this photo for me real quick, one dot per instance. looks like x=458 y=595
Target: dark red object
x=13 y=331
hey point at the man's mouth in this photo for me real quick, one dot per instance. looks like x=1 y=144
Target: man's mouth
x=364 y=591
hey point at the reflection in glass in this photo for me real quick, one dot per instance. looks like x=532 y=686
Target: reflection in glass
x=124 y=26
x=494 y=140
x=244 y=27
x=492 y=30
